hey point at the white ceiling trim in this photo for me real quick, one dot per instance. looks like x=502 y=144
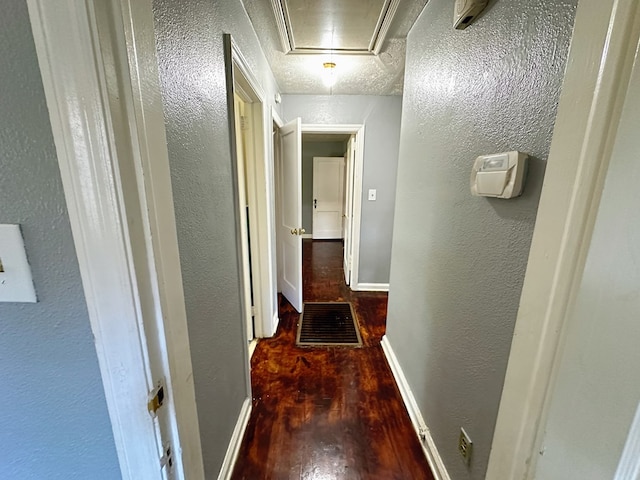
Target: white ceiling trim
x=282 y=22
x=384 y=23
x=285 y=31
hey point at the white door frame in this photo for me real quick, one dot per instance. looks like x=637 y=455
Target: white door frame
x=348 y=211
x=243 y=145
x=599 y=65
x=251 y=95
x=357 y=130
x=276 y=151
x=121 y=299
x=260 y=194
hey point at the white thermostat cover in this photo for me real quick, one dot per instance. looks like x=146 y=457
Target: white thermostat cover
x=500 y=175
x=16 y=284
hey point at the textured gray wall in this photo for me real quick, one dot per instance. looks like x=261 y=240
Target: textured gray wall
x=381 y=117
x=310 y=150
x=53 y=415
x=596 y=392
x=458 y=261
x=192 y=71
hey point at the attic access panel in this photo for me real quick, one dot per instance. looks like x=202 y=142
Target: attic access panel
x=353 y=27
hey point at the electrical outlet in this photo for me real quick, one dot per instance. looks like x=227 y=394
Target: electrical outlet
x=465 y=446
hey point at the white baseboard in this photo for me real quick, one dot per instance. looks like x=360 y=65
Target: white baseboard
x=428 y=445
x=252 y=347
x=307 y=235
x=371 y=287
x=275 y=321
x=235 y=442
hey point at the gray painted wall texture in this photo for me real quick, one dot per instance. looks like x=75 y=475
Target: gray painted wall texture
x=53 y=416
x=310 y=150
x=192 y=71
x=596 y=392
x=381 y=117
x=458 y=261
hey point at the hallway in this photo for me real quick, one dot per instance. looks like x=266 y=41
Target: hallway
x=332 y=412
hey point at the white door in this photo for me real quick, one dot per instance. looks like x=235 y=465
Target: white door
x=290 y=221
x=128 y=259
x=328 y=197
x=349 y=158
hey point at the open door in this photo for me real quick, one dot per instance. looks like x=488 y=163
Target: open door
x=349 y=158
x=290 y=221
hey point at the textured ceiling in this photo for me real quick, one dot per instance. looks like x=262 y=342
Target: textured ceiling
x=357 y=74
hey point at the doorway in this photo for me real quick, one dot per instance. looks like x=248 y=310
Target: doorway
x=244 y=152
x=328 y=197
x=323 y=184
x=335 y=141
x=348 y=137
x=254 y=197
x=344 y=141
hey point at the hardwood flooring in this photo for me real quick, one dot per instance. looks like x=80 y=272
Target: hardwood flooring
x=328 y=412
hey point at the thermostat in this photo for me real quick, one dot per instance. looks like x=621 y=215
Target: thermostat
x=465 y=11
x=500 y=175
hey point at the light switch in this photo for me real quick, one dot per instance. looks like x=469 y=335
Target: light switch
x=372 y=194
x=16 y=284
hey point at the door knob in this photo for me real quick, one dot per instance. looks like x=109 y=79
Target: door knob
x=294 y=231
x=302 y=231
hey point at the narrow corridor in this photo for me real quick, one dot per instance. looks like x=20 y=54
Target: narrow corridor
x=328 y=412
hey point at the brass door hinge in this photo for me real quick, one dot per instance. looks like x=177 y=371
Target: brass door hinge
x=156 y=399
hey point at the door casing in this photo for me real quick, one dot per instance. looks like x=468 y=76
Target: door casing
x=601 y=57
x=99 y=75
x=260 y=193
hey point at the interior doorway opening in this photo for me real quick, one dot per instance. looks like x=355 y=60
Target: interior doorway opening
x=295 y=201
x=254 y=199
x=327 y=190
x=337 y=216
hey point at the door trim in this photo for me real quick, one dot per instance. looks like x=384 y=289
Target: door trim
x=358 y=131
x=243 y=156
x=260 y=192
x=276 y=124
x=69 y=52
x=606 y=33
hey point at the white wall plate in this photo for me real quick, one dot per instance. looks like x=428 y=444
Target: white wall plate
x=16 y=283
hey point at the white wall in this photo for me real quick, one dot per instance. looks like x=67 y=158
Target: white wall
x=381 y=117
x=192 y=74
x=597 y=390
x=458 y=261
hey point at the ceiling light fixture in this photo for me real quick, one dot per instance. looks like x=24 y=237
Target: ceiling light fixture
x=329 y=74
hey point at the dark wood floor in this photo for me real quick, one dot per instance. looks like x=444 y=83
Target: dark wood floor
x=328 y=413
